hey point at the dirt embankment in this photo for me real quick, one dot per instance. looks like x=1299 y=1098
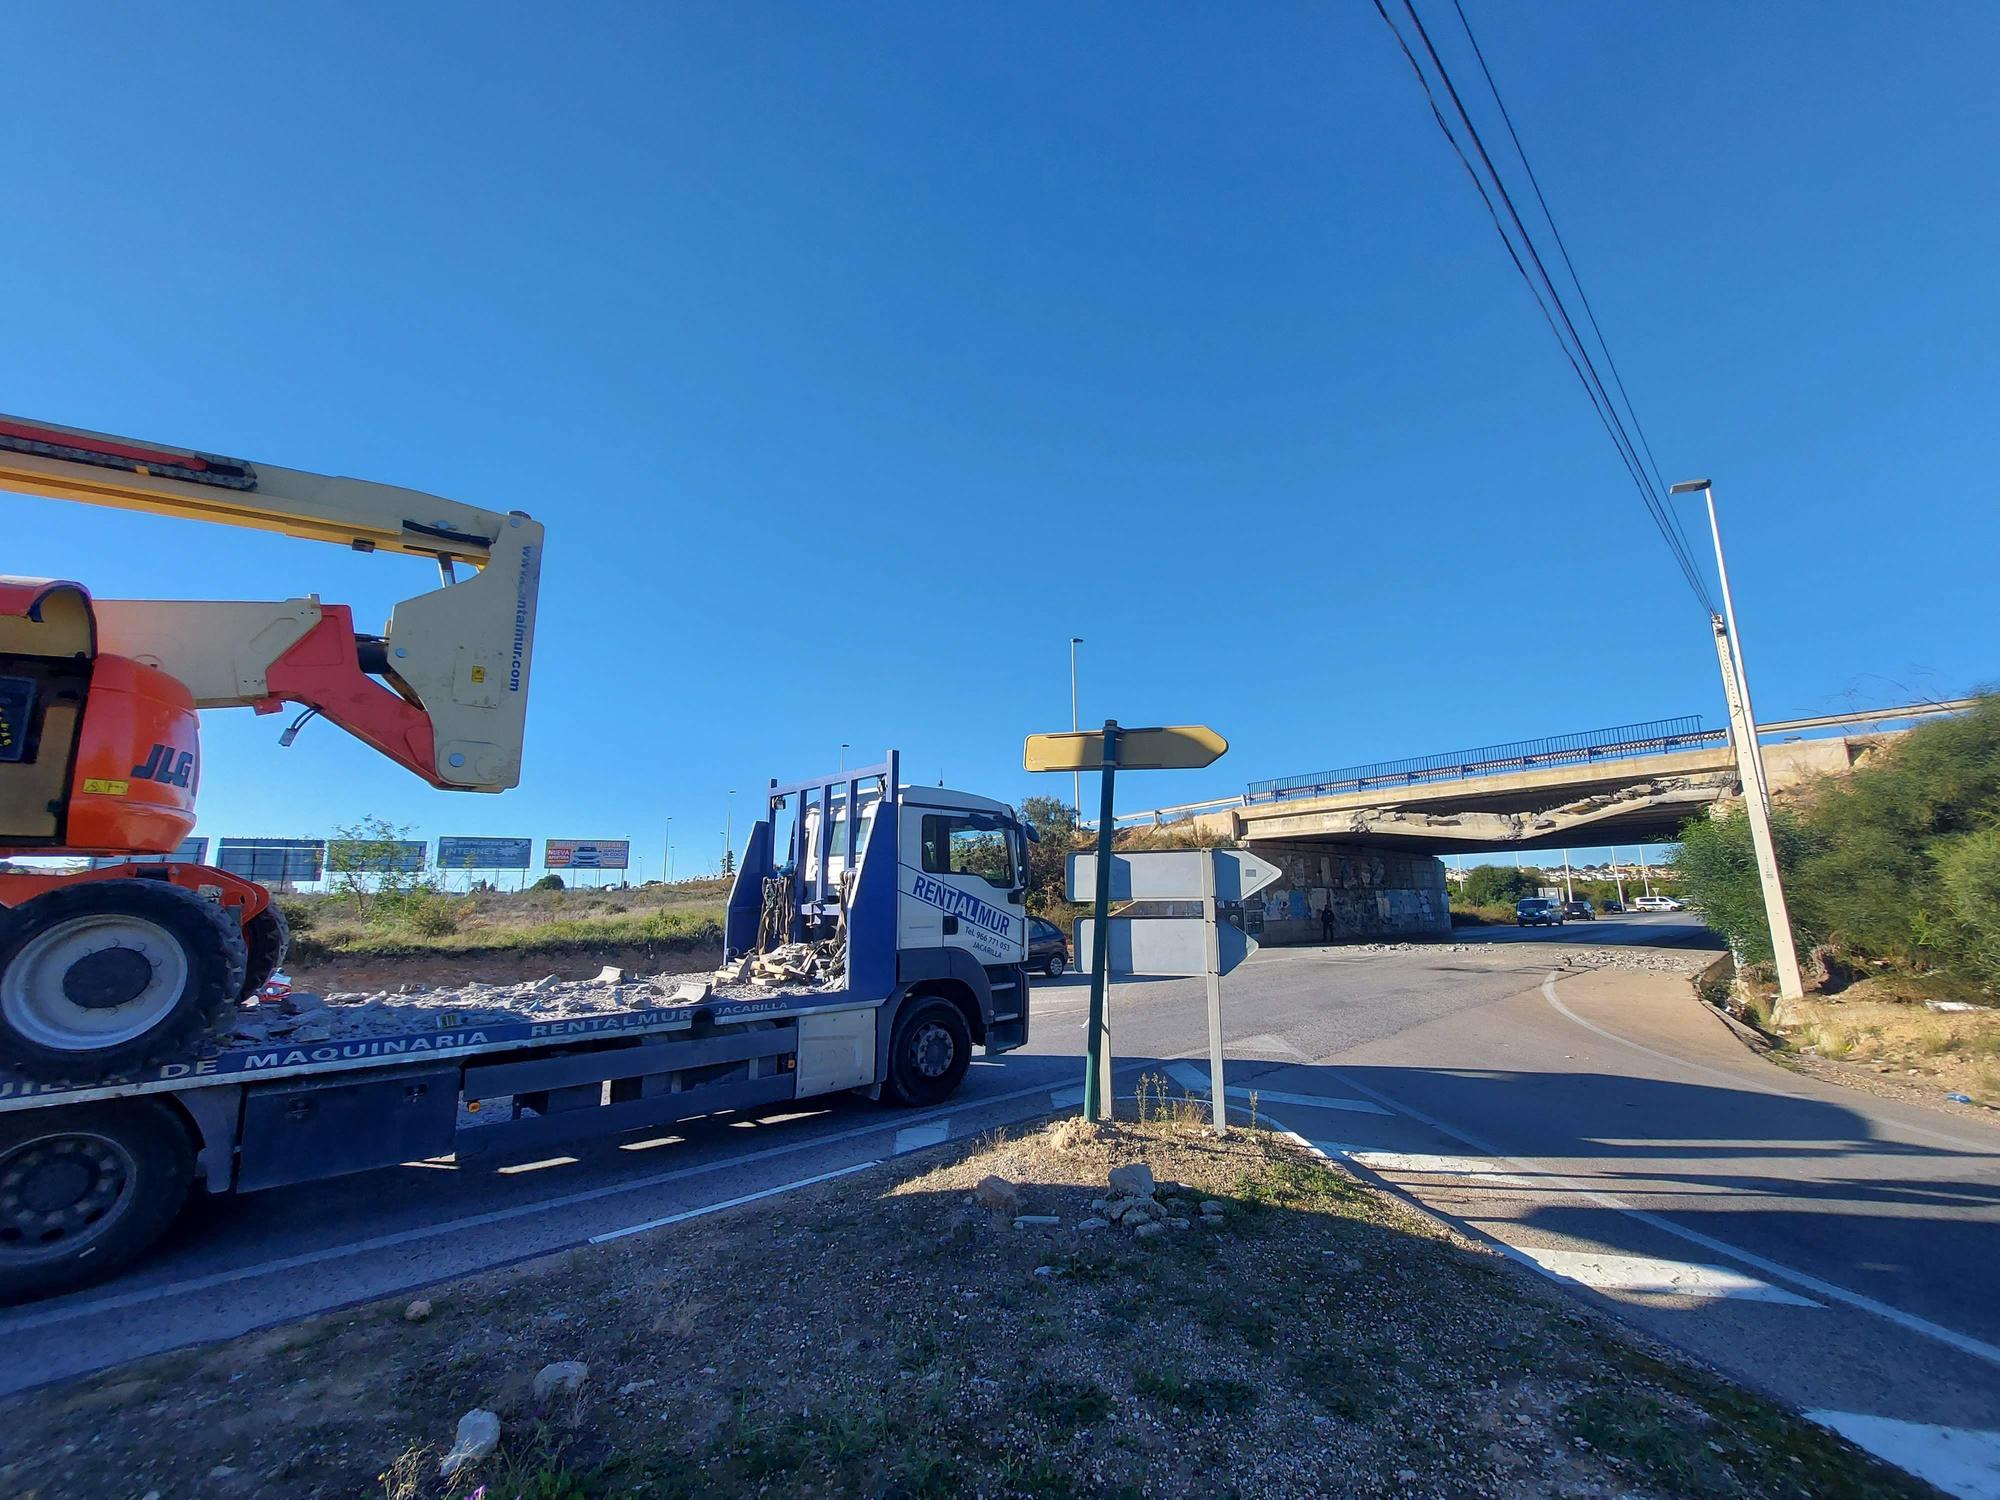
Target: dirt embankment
x=1260 y=1324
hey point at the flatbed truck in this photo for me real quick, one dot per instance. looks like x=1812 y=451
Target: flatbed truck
x=914 y=893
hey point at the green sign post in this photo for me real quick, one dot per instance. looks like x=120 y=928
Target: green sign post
x=1174 y=747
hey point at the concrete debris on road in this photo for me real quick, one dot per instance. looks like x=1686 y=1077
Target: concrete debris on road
x=417 y=1311
x=478 y=1435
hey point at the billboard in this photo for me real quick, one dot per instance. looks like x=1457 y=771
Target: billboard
x=377 y=856
x=280 y=860
x=586 y=854
x=186 y=852
x=461 y=853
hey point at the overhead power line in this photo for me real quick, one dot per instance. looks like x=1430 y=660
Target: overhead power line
x=1643 y=471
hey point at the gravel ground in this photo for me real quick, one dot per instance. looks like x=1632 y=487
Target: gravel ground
x=893 y=1334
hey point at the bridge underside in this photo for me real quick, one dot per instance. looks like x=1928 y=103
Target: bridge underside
x=1650 y=813
x=1637 y=801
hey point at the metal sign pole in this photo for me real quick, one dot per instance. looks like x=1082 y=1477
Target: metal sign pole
x=1097 y=1050
x=1216 y=1092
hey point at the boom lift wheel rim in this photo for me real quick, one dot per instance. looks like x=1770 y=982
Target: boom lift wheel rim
x=59 y=1192
x=59 y=992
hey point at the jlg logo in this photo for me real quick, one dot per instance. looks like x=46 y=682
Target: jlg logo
x=166 y=764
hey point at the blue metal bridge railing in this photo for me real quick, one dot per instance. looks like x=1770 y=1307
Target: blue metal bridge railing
x=1655 y=737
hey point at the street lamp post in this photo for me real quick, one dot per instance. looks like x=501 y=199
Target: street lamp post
x=1076 y=777
x=670 y=851
x=729 y=833
x=1750 y=761
x=843 y=755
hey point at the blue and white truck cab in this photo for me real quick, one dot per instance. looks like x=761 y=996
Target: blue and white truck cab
x=927 y=888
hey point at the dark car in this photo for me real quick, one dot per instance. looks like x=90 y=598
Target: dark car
x=1610 y=905
x=1537 y=911
x=1048 y=949
x=1580 y=910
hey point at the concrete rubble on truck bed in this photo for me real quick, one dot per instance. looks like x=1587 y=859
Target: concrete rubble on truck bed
x=308 y=1018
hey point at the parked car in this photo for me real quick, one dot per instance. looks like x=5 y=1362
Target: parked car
x=1048 y=949
x=1537 y=911
x=1580 y=910
x=1608 y=905
x=1658 y=903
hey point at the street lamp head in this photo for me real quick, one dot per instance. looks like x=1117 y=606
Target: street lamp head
x=1688 y=487
x=1076 y=640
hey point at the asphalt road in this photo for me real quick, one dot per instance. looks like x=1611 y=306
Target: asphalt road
x=1829 y=1247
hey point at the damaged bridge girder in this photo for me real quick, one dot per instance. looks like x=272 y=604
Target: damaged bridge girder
x=1642 y=812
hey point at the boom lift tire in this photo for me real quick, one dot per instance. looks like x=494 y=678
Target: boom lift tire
x=930 y=1052
x=105 y=976
x=84 y=1190
x=268 y=937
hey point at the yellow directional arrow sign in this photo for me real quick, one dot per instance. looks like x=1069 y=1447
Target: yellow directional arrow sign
x=1172 y=747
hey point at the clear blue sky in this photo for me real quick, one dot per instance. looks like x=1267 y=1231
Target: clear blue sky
x=857 y=356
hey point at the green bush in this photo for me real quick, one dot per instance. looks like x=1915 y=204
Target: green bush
x=548 y=883
x=432 y=915
x=1496 y=885
x=1900 y=860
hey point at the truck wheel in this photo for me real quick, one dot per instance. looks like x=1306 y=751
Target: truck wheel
x=84 y=1190
x=269 y=938
x=930 y=1053
x=107 y=976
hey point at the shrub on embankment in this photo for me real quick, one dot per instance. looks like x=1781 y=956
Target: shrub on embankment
x=1897 y=862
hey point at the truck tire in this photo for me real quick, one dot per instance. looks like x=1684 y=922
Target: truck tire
x=930 y=1052
x=268 y=937
x=84 y=1190
x=107 y=976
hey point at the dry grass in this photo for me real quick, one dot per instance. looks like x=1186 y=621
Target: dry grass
x=1953 y=1052
x=886 y=1336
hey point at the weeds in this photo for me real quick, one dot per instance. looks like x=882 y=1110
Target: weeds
x=1067 y=1403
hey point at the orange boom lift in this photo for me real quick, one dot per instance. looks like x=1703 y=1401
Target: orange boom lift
x=134 y=964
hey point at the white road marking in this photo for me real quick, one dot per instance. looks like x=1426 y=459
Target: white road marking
x=916 y=1137
x=1962 y=1461
x=1417 y=1164
x=1965 y=1343
x=1737 y=1080
x=1267 y=1042
x=1195 y=1081
x=1647 y=1277
x=715 y=1208
x=141 y=1296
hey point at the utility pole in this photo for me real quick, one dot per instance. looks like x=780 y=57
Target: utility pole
x=1076 y=777
x=1617 y=877
x=670 y=851
x=1569 y=886
x=1750 y=762
x=1791 y=984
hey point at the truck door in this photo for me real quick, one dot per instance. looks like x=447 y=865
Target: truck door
x=960 y=884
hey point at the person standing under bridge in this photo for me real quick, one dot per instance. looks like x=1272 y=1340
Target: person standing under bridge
x=1326 y=921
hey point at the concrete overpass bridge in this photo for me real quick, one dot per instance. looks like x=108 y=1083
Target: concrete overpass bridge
x=1364 y=839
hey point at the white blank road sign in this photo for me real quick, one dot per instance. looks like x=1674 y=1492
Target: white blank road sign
x=1164 y=946
x=1172 y=875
